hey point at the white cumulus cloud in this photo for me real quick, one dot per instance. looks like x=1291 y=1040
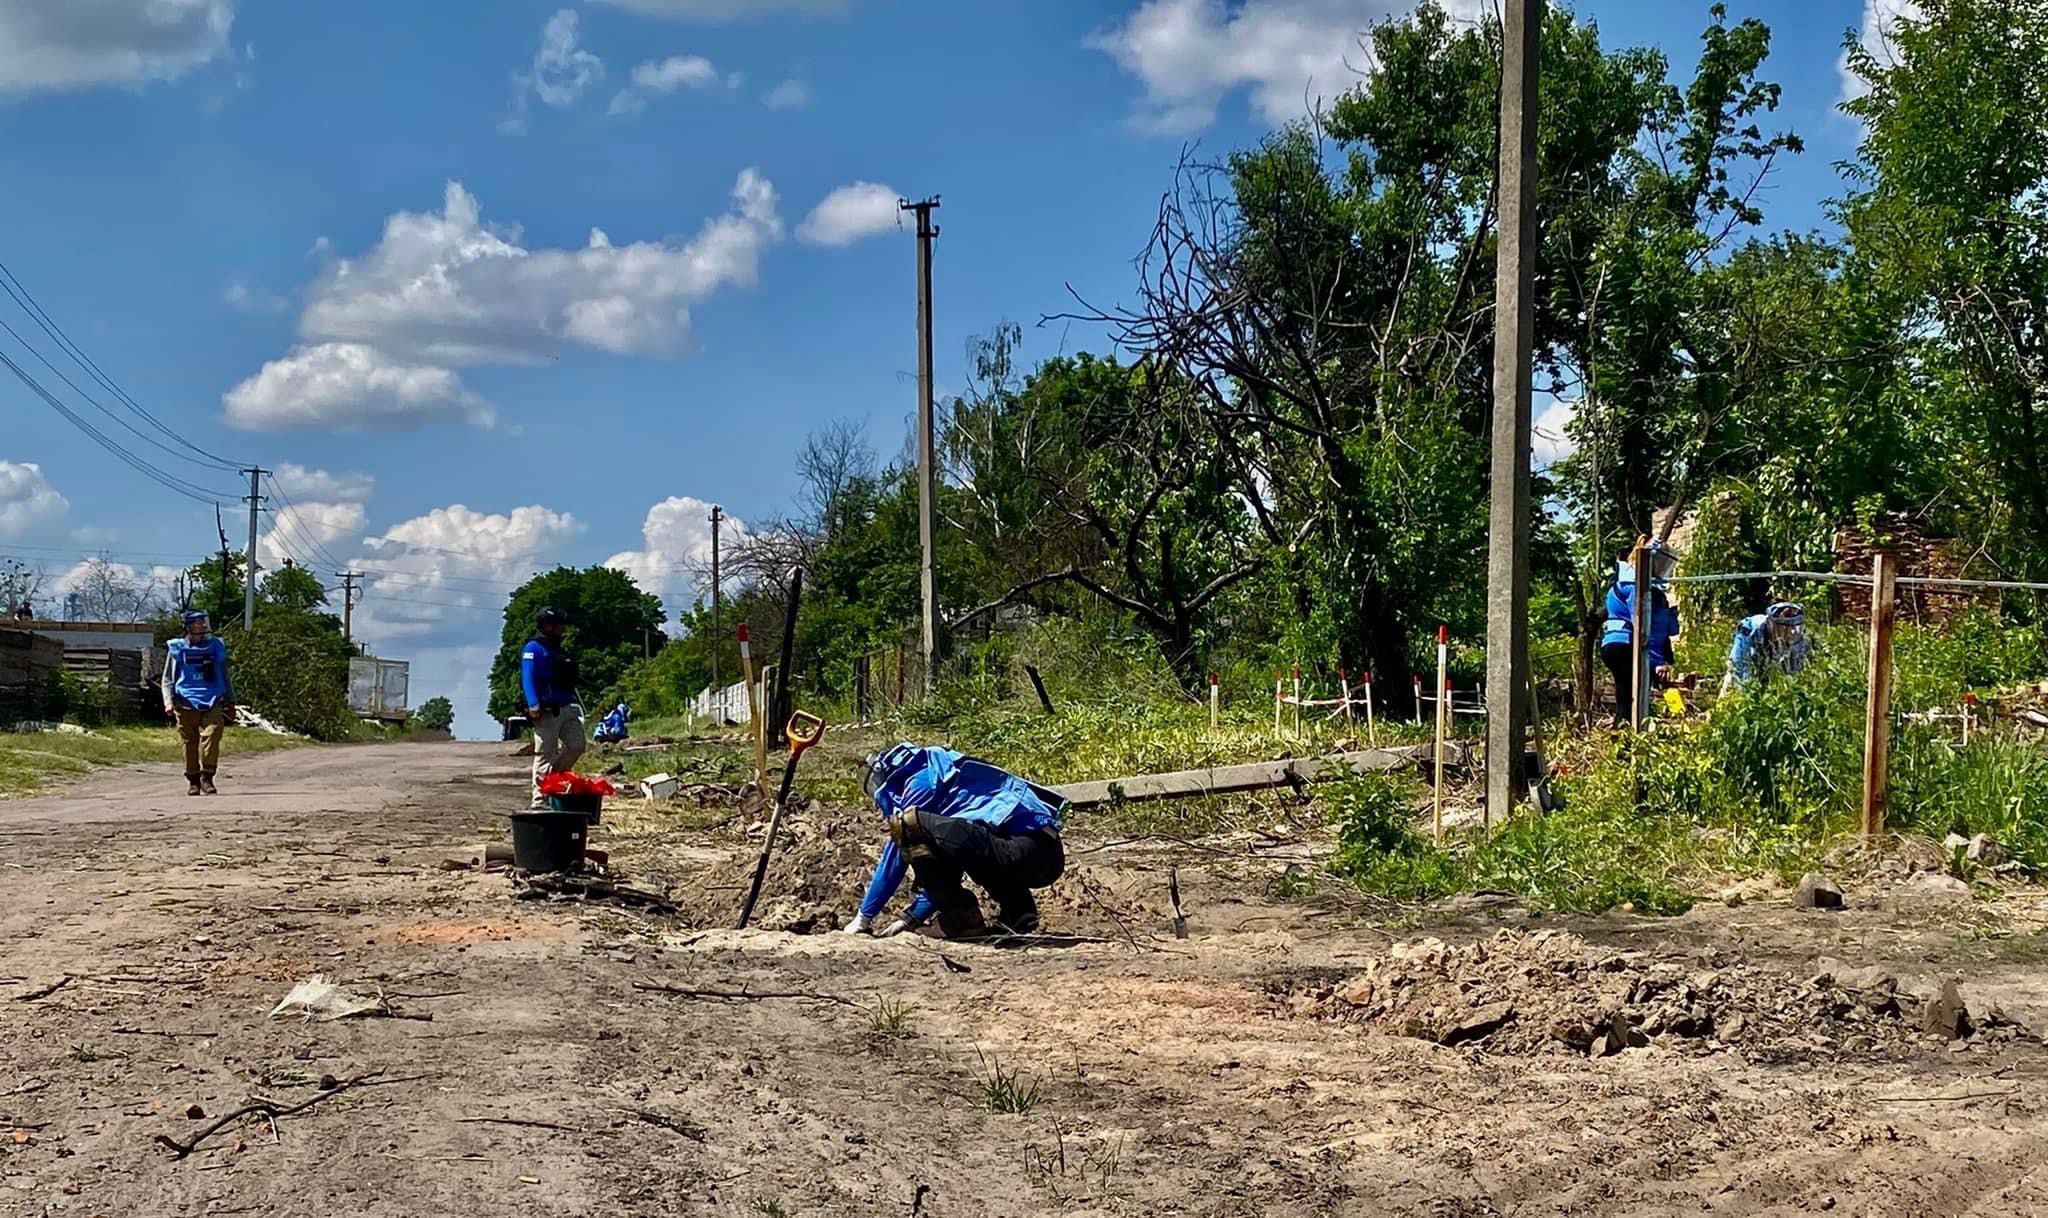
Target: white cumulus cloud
x=26 y=498
x=315 y=514
x=861 y=209
x=75 y=44
x=676 y=543
x=726 y=10
x=1191 y=54
x=1879 y=18
x=667 y=76
x=350 y=387
x=384 y=333
x=562 y=70
x=453 y=566
x=791 y=94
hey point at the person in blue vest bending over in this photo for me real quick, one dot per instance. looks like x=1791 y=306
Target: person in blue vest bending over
x=951 y=817
x=1766 y=643
x=1617 y=638
x=197 y=694
x=547 y=678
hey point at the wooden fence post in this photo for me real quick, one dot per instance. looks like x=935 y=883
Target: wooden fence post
x=1639 y=618
x=1877 y=720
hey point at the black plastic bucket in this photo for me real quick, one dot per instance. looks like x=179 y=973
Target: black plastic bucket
x=592 y=806
x=548 y=841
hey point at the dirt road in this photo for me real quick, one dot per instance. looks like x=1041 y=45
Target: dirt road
x=1257 y=1067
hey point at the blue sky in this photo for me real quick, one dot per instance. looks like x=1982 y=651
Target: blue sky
x=353 y=242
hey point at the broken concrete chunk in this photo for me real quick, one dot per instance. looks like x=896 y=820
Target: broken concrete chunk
x=1816 y=892
x=1985 y=852
x=1480 y=1022
x=1945 y=1015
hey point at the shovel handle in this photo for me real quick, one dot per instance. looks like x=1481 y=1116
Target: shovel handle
x=803 y=730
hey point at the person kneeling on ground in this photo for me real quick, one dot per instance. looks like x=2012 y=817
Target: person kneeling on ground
x=951 y=816
x=198 y=696
x=1770 y=642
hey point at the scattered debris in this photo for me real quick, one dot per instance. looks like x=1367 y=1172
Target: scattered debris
x=317 y=998
x=1522 y=993
x=44 y=990
x=564 y=886
x=659 y=786
x=1985 y=852
x=1180 y=919
x=1816 y=892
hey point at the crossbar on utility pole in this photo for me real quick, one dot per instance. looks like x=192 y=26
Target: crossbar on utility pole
x=1507 y=583
x=255 y=502
x=927 y=579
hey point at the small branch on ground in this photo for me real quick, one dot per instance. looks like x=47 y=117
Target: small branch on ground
x=522 y=1122
x=695 y=1133
x=272 y=1110
x=744 y=995
x=45 y=991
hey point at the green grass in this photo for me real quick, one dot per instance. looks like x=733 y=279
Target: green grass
x=1007 y=1092
x=31 y=760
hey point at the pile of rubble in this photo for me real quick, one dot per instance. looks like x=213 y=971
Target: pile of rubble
x=1551 y=992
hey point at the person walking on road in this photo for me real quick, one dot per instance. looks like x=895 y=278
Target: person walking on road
x=197 y=694
x=951 y=817
x=547 y=675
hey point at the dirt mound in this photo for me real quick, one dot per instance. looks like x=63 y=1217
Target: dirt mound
x=823 y=858
x=1551 y=992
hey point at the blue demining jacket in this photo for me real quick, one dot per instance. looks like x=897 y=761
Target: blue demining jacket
x=1753 y=651
x=946 y=783
x=541 y=675
x=196 y=675
x=1621 y=607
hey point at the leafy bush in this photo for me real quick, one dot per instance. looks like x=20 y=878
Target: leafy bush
x=433 y=715
x=298 y=678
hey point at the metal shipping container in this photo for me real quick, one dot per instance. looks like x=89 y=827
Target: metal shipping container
x=377 y=688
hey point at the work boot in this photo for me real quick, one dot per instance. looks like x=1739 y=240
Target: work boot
x=962 y=921
x=912 y=838
x=206 y=784
x=192 y=786
x=1019 y=916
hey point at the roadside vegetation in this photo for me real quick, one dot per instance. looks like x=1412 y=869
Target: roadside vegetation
x=31 y=761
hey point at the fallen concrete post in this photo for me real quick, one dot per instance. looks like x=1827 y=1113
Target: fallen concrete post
x=1255 y=776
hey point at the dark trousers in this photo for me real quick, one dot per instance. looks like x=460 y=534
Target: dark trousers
x=1618 y=657
x=1006 y=865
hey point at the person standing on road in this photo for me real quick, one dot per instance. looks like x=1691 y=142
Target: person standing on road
x=547 y=675
x=197 y=694
x=951 y=817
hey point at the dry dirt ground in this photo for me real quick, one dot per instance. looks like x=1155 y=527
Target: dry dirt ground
x=1282 y=1059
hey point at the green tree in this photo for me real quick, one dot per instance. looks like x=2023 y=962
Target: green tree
x=612 y=623
x=1948 y=213
x=436 y=714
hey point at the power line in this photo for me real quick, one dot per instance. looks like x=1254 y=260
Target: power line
x=22 y=297
x=171 y=482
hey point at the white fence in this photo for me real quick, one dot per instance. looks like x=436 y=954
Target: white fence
x=729 y=705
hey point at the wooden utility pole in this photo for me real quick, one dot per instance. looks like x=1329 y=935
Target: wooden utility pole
x=717 y=631
x=1514 y=324
x=927 y=456
x=255 y=502
x=1877 y=712
x=348 y=604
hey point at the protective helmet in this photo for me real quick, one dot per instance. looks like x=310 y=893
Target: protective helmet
x=883 y=766
x=551 y=616
x=1786 y=613
x=194 y=615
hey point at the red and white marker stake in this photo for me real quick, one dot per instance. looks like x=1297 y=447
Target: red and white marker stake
x=1297 y=701
x=1279 y=695
x=1215 y=704
x=1372 y=735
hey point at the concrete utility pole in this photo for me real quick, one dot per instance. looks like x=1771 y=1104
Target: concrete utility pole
x=255 y=502
x=348 y=604
x=1514 y=313
x=927 y=457
x=717 y=632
